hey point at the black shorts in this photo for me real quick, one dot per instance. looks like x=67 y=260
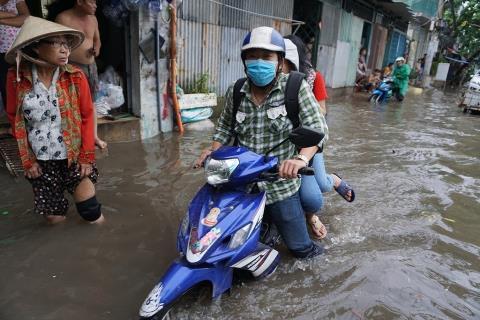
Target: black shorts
x=49 y=189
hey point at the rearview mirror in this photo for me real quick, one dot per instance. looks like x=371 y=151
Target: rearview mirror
x=304 y=137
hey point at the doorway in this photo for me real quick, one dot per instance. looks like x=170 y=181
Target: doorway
x=309 y=11
x=113 y=35
x=366 y=35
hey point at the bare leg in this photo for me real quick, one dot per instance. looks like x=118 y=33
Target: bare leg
x=85 y=191
x=52 y=219
x=98 y=142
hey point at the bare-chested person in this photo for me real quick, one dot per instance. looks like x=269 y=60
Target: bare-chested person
x=82 y=17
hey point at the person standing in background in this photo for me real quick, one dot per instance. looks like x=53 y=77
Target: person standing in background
x=51 y=113
x=361 y=66
x=12 y=16
x=81 y=16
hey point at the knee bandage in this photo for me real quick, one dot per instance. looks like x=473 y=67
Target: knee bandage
x=89 y=209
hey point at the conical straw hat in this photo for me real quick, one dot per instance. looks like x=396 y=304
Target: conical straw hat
x=34 y=29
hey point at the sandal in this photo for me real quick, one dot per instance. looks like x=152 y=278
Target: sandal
x=317 y=227
x=343 y=189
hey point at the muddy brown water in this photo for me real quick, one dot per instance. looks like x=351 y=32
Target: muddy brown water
x=407 y=248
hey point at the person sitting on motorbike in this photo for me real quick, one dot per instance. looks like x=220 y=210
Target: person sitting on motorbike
x=400 y=75
x=313 y=186
x=373 y=80
x=262 y=123
x=387 y=71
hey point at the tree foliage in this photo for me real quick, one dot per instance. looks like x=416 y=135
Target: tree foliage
x=462 y=31
x=463 y=20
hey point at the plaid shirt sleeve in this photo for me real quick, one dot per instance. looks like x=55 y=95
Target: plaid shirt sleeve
x=223 y=132
x=309 y=112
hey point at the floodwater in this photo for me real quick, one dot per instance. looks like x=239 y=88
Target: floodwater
x=407 y=248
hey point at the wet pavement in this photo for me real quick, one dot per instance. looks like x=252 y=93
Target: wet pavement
x=407 y=248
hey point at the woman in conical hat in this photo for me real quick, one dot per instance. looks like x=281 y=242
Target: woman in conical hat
x=51 y=112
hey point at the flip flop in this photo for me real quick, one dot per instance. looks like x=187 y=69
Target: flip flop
x=318 y=226
x=343 y=189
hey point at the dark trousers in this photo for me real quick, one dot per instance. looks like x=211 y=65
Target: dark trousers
x=289 y=218
x=3 y=78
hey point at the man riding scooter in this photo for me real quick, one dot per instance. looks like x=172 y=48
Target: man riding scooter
x=401 y=75
x=261 y=122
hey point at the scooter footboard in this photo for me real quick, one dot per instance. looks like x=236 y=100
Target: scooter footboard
x=261 y=262
x=179 y=278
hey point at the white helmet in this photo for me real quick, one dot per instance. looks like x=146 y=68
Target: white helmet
x=400 y=59
x=264 y=38
x=291 y=53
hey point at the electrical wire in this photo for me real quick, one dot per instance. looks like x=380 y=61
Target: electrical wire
x=293 y=22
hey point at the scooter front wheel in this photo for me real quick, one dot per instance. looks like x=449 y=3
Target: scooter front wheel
x=199 y=293
x=374 y=98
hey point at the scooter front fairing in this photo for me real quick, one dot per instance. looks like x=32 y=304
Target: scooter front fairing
x=223 y=224
x=221 y=233
x=178 y=279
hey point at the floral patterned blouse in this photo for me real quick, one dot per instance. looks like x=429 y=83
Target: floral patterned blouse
x=8 y=33
x=43 y=121
x=75 y=107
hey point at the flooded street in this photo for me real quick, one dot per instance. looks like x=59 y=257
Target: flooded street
x=407 y=248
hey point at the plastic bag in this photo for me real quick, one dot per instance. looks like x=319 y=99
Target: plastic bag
x=109 y=96
x=111 y=76
x=102 y=107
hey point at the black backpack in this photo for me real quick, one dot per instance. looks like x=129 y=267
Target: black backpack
x=291 y=99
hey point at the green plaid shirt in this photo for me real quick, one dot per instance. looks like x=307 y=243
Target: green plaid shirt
x=261 y=128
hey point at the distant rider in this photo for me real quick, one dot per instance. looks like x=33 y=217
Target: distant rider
x=401 y=75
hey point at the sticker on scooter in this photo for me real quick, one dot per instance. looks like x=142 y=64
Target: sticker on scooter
x=211 y=219
x=198 y=246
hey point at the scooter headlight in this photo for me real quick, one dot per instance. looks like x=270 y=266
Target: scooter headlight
x=219 y=171
x=239 y=237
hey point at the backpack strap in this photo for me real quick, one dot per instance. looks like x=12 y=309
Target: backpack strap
x=237 y=99
x=292 y=88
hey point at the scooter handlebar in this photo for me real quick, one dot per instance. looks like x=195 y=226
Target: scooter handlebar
x=273 y=175
x=307 y=171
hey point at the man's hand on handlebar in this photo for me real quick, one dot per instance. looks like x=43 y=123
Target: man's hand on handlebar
x=201 y=159
x=289 y=168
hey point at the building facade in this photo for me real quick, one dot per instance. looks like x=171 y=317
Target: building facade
x=210 y=32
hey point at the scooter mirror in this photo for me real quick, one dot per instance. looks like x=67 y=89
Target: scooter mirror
x=304 y=137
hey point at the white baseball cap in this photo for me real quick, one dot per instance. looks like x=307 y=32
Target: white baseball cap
x=291 y=53
x=264 y=38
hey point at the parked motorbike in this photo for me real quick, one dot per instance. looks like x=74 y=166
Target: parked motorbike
x=221 y=230
x=382 y=92
x=470 y=96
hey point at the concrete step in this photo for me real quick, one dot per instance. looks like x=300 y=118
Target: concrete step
x=122 y=128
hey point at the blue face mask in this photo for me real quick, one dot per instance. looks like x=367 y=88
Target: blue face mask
x=261 y=72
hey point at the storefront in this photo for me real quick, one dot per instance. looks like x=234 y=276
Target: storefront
x=130 y=60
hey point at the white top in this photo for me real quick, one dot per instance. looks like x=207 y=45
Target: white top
x=43 y=120
x=8 y=33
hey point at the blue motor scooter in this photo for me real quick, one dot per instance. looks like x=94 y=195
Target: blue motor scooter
x=221 y=231
x=382 y=92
